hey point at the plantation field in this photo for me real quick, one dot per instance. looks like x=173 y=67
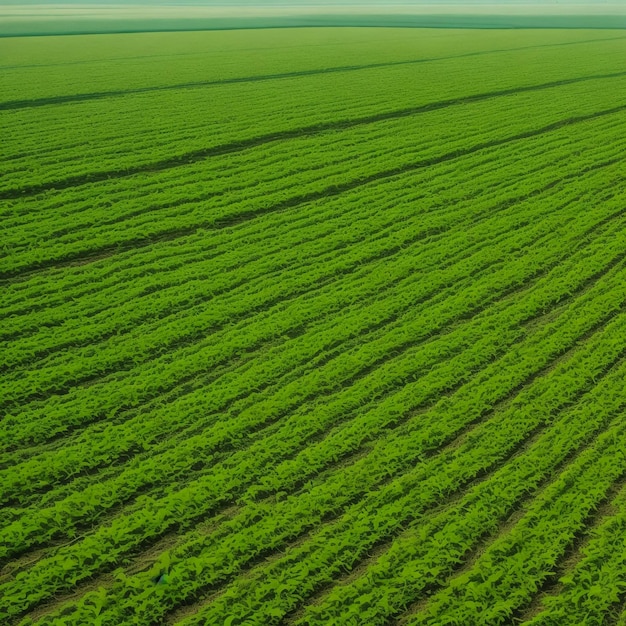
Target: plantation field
x=313 y=327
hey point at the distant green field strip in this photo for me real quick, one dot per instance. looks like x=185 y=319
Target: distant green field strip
x=80 y=97
x=335 y=105
x=290 y=134
x=190 y=492
x=302 y=47
x=226 y=64
x=83 y=49
x=349 y=42
x=306 y=566
x=471 y=66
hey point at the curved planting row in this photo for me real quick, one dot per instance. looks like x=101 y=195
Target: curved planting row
x=331 y=339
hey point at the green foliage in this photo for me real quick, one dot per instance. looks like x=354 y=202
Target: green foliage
x=313 y=328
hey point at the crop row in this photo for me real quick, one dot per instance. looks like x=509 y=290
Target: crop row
x=282 y=582
x=70 y=335
x=289 y=106
x=190 y=491
x=178 y=459
x=190 y=409
x=301 y=159
x=266 y=232
x=509 y=573
x=186 y=218
x=201 y=285
x=339 y=342
x=402 y=271
x=305 y=152
x=422 y=556
x=214 y=254
x=597 y=583
x=107 y=442
x=403 y=304
x=290 y=316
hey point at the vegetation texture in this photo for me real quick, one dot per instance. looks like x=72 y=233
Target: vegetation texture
x=314 y=327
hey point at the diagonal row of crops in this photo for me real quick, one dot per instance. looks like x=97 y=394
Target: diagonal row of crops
x=314 y=327
x=268 y=111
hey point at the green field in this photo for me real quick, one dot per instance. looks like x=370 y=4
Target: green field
x=313 y=327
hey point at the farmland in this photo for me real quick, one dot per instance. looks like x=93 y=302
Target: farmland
x=313 y=327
